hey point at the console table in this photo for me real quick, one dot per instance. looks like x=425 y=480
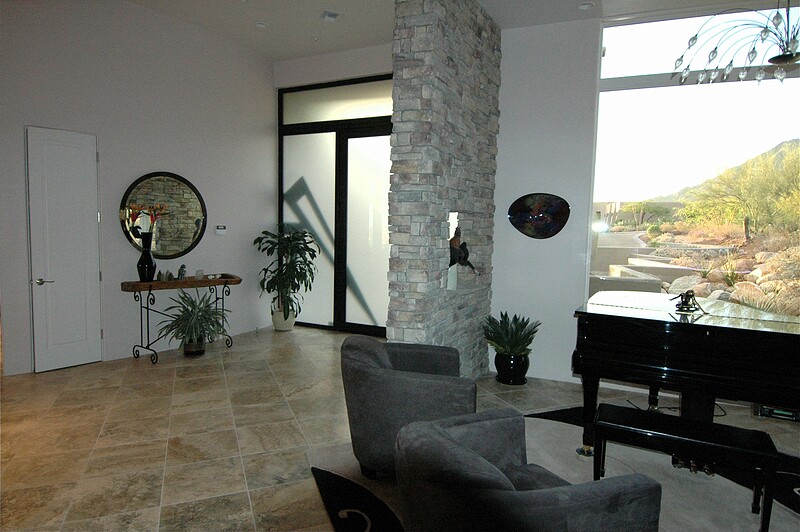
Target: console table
x=224 y=280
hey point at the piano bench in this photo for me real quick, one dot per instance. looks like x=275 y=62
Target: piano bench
x=699 y=445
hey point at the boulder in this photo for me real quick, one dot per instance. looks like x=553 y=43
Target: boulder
x=747 y=292
x=764 y=256
x=716 y=276
x=682 y=284
x=720 y=295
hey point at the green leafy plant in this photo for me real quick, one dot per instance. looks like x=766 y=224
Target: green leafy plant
x=292 y=269
x=510 y=336
x=193 y=319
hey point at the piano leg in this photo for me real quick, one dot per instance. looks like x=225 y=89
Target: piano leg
x=590 y=388
x=652 y=398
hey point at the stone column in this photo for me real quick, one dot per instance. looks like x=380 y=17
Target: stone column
x=446 y=82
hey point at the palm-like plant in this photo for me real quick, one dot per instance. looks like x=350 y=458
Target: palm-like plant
x=193 y=320
x=510 y=336
x=292 y=269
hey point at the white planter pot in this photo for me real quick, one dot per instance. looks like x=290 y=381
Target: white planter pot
x=280 y=324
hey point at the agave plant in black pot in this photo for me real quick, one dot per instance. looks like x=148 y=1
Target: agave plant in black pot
x=291 y=271
x=511 y=339
x=193 y=321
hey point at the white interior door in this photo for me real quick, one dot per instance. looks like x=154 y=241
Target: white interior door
x=65 y=251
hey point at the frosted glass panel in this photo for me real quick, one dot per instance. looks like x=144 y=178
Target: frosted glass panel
x=362 y=100
x=309 y=163
x=368 y=165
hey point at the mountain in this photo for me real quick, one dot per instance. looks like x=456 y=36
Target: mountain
x=780 y=151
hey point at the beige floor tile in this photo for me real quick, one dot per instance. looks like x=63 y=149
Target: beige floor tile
x=147 y=372
x=244 y=366
x=87 y=396
x=37 y=508
x=126 y=458
x=259 y=414
x=328 y=430
x=197 y=422
x=202 y=384
x=139 y=408
x=145 y=390
x=262 y=394
x=225 y=513
x=87 y=381
x=288 y=506
x=199 y=401
x=44 y=469
x=59 y=438
x=279 y=467
x=99 y=496
x=250 y=380
x=311 y=388
x=197 y=371
x=270 y=437
x=319 y=406
x=202 y=446
x=133 y=431
x=136 y=521
x=201 y=480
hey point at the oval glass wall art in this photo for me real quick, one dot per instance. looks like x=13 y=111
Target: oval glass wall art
x=539 y=215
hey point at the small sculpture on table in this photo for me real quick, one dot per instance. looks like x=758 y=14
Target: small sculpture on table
x=182 y=272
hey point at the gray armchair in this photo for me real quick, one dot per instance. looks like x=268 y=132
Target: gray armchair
x=388 y=385
x=471 y=473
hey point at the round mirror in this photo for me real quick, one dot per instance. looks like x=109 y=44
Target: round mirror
x=168 y=207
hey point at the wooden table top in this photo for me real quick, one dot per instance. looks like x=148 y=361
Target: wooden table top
x=189 y=282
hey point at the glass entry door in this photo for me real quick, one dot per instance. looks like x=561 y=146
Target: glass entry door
x=366 y=299
x=336 y=185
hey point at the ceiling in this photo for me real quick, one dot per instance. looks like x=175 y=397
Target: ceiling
x=288 y=29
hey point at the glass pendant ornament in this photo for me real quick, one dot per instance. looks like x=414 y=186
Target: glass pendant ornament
x=685 y=74
x=764 y=34
x=678 y=62
x=693 y=40
x=777 y=20
x=728 y=70
x=792 y=46
x=712 y=55
x=712 y=77
x=701 y=77
x=742 y=74
x=760 y=74
x=780 y=74
x=751 y=55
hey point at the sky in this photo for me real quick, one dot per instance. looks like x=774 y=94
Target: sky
x=653 y=142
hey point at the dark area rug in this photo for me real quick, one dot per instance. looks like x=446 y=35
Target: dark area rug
x=787 y=481
x=352 y=507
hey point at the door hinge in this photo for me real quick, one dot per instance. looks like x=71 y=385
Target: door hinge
x=97 y=153
x=101 y=277
x=101 y=334
x=98 y=216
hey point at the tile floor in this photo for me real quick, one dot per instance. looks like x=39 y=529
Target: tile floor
x=213 y=443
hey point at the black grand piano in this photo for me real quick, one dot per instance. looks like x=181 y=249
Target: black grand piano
x=725 y=350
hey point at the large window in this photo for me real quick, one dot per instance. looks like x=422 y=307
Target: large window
x=696 y=185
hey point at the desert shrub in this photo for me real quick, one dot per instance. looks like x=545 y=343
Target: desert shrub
x=667 y=227
x=618 y=229
x=653 y=231
x=681 y=228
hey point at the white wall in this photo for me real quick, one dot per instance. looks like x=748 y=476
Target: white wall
x=548 y=108
x=350 y=64
x=159 y=94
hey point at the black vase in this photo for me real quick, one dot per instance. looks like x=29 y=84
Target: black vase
x=146 y=265
x=511 y=369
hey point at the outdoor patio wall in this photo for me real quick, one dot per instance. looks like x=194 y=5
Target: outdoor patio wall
x=446 y=58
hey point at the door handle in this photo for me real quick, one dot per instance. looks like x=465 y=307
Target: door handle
x=41 y=281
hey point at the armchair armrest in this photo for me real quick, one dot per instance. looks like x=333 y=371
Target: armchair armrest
x=432 y=359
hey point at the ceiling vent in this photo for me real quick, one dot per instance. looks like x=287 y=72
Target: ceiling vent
x=329 y=16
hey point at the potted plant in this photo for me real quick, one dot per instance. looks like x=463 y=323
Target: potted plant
x=193 y=321
x=511 y=339
x=291 y=271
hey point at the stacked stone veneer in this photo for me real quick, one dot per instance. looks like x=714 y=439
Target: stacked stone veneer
x=446 y=83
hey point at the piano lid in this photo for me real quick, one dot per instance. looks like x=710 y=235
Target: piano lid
x=662 y=307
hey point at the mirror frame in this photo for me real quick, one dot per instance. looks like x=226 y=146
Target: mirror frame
x=194 y=190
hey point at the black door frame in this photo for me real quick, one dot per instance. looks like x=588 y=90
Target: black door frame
x=344 y=130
